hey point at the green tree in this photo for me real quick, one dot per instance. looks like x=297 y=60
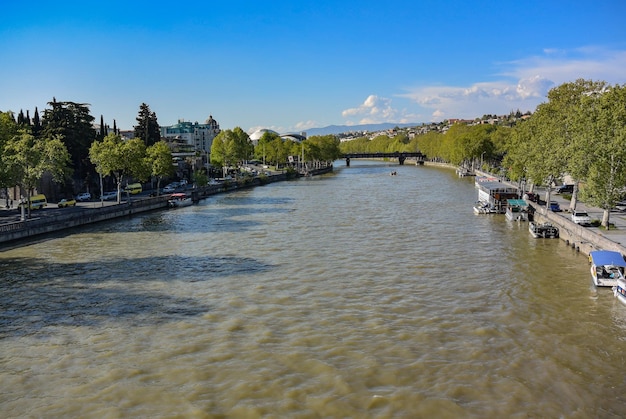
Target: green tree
x=147 y=128
x=8 y=130
x=159 y=160
x=200 y=178
x=326 y=146
x=240 y=146
x=231 y=147
x=601 y=144
x=28 y=158
x=119 y=158
x=73 y=125
x=218 y=150
x=266 y=149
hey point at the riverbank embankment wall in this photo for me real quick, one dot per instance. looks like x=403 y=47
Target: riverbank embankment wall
x=581 y=238
x=36 y=226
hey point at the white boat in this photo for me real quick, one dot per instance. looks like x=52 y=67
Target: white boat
x=607 y=267
x=484 y=208
x=619 y=290
x=516 y=210
x=179 y=200
x=543 y=230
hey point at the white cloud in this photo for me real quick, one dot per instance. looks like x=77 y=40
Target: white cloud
x=373 y=110
x=523 y=85
x=305 y=125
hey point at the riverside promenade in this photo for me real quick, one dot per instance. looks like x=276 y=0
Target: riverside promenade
x=13 y=229
x=582 y=238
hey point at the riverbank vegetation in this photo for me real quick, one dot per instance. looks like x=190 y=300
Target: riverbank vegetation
x=580 y=132
x=64 y=153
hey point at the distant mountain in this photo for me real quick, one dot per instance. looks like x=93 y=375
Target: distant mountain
x=340 y=129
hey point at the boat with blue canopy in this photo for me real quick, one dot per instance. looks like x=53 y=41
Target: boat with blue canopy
x=607 y=266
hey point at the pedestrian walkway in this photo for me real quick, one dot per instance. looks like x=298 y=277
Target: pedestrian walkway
x=616 y=234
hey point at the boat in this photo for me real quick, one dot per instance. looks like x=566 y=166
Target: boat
x=619 y=290
x=484 y=208
x=607 y=267
x=179 y=200
x=494 y=192
x=543 y=230
x=516 y=210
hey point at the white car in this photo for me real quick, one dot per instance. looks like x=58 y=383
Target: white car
x=581 y=217
x=82 y=197
x=109 y=196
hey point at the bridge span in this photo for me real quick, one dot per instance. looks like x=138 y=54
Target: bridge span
x=401 y=156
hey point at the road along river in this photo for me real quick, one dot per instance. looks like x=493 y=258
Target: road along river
x=355 y=294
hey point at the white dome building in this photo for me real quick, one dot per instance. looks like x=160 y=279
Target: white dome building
x=256 y=135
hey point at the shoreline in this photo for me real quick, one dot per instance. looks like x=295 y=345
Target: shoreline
x=13 y=233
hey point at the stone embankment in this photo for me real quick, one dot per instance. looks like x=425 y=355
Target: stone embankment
x=583 y=239
x=14 y=231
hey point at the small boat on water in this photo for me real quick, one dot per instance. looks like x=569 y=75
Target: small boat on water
x=543 y=230
x=516 y=210
x=484 y=208
x=619 y=290
x=607 y=267
x=179 y=200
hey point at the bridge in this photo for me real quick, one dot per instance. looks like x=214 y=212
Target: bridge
x=401 y=156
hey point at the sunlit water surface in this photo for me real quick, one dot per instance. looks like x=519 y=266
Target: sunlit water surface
x=356 y=294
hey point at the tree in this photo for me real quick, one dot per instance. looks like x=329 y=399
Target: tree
x=8 y=129
x=200 y=178
x=73 y=125
x=327 y=148
x=602 y=140
x=147 y=128
x=27 y=158
x=119 y=158
x=264 y=150
x=240 y=146
x=159 y=160
x=231 y=147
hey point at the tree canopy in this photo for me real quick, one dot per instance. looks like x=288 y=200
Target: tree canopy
x=147 y=128
x=26 y=160
x=120 y=158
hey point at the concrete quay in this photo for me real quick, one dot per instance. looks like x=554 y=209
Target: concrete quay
x=584 y=238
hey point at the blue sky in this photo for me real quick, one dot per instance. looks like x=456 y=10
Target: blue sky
x=295 y=65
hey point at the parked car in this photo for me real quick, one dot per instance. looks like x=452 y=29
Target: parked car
x=581 y=217
x=564 y=189
x=169 y=189
x=620 y=206
x=64 y=203
x=554 y=206
x=533 y=197
x=82 y=197
x=109 y=196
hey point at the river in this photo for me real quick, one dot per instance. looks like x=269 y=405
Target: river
x=353 y=294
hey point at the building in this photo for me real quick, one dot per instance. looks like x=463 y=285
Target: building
x=200 y=136
x=256 y=136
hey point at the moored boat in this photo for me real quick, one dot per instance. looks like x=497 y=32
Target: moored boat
x=179 y=200
x=543 y=230
x=619 y=290
x=607 y=267
x=516 y=210
x=484 y=208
